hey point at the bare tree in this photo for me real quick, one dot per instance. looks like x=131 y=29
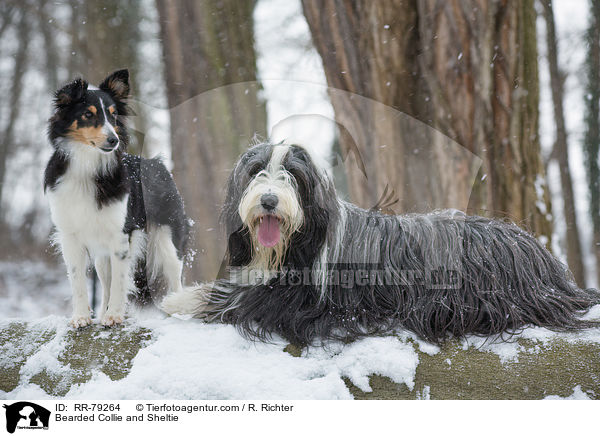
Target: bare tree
x=561 y=149
x=50 y=49
x=7 y=10
x=592 y=120
x=75 y=62
x=105 y=39
x=20 y=61
x=6 y=18
x=467 y=69
x=208 y=47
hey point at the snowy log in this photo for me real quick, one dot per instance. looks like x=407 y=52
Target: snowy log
x=29 y=351
x=556 y=368
x=169 y=358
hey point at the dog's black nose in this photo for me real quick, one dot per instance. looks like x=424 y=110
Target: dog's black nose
x=112 y=140
x=269 y=201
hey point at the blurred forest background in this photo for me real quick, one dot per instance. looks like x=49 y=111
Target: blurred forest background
x=491 y=107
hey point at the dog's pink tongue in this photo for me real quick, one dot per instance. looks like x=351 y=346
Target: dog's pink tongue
x=268 y=231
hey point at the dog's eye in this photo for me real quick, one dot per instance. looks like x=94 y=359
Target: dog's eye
x=255 y=170
x=88 y=114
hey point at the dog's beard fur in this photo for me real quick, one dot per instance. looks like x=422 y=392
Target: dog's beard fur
x=277 y=181
x=270 y=260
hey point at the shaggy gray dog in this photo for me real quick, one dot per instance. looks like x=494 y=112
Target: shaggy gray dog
x=306 y=265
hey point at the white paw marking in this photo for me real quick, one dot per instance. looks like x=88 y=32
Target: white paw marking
x=110 y=320
x=79 y=321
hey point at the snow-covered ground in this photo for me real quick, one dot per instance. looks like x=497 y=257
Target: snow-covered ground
x=203 y=361
x=578 y=394
x=187 y=359
x=33 y=289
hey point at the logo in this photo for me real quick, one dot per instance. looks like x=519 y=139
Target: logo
x=25 y=415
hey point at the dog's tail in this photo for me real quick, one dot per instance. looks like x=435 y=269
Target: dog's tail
x=159 y=273
x=141 y=295
x=190 y=300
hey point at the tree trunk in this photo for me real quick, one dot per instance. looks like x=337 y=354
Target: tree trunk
x=561 y=150
x=6 y=18
x=215 y=108
x=110 y=41
x=592 y=133
x=75 y=62
x=469 y=72
x=7 y=10
x=50 y=49
x=8 y=137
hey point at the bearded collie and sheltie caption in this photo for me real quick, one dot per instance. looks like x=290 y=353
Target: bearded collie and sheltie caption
x=306 y=265
x=119 y=212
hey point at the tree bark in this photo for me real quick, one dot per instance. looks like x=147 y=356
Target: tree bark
x=50 y=49
x=6 y=18
x=214 y=108
x=8 y=137
x=110 y=41
x=561 y=152
x=75 y=62
x=467 y=71
x=592 y=133
x=6 y=15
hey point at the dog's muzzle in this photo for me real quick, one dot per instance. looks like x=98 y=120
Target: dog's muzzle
x=112 y=142
x=269 y=202
x=268 y=233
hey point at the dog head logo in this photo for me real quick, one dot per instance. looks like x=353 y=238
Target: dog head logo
x=26 y=415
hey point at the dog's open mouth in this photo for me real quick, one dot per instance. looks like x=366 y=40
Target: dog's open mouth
x=268 y=230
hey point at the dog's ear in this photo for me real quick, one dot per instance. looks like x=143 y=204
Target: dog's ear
x=117 y=84
x=71 y=93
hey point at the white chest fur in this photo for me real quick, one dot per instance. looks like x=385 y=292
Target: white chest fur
x=75 y=212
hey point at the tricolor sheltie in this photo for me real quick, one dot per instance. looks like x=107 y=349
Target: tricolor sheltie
x=119 y=211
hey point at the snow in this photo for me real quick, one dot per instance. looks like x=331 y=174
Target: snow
x=577 y=394
x=204 y=361
x=193 y=360
x=426 y=394
x=33 y=289
x=47 y=356
x=508 y=348
x=187 y=359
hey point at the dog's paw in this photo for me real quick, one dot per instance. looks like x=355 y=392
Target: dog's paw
x=79 y=321
x=112 y=319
